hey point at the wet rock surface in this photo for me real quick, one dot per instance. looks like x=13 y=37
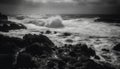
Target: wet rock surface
x=39 y=52
x=117 y=47
x=3 y=17
x=113 y=19
x=6 y=25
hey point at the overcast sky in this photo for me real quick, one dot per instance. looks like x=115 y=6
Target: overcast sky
x=60 y=6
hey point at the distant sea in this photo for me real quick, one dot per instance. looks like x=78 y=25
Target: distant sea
x=91 y=15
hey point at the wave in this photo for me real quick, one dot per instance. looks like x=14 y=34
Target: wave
x=55 y=22
x=85 y=26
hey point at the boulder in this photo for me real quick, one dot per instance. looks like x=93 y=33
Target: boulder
x=38 y=49
x=38 y=53
x=113 y=19
x=38 y=45
x=3 y=17
x=117 y=47
x=20 y=17
x=66 y=34
x=24 y=60
x=8 y=48
x=48 y=32
x=30 y=39
x=5 y=26
x=6 y=61
x=21 y=57
x=84 y=50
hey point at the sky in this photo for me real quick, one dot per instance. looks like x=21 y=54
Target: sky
x=60 y=6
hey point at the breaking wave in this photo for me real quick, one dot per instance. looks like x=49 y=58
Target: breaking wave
x=55 y=22
x=85 y=26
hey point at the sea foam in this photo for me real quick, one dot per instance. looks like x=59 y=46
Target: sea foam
x=55 y=22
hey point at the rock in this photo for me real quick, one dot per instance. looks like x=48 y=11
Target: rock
x=48 y=32
x=69 y=40
x=54 y=22
x=9 y=45
x=51 y=64
x=5 y=26
x=113 y=19
x=8 y=48
x=84 y=50
x=3 y=17
x=24 y=60
x=117 y=47
x=97 y=57
x=41 y=32
x=29 y=39
x=67 y=34
x=38 y=49
x=90 y=64
x=37 y=52
x=55 y=32
x=38 y=45
x=56 y=63
x=6 y=61
x=20 y=17
x=105 y=50
x=33 y=45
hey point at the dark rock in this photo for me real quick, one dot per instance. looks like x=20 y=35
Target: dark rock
x=69 y=40
x=39 y=49
x=109 y=19
x=30 y=39
x=48 y=32
x=37 y=53
x=51 y=64
x=97 y=57
x=55 y=32
x=35 y=49
x=72 y=54
x=84 y=50
x=6 y=61
x=56 y=63
x=66 y=34
x=42 y=32
x=117 y=47
x=3 y=17
x=8 y=48
x=78 y=64
x=106 y=50
x=20 y=17
x=90 y=64
x=5 y=26
x=38 y=45
x=10 y=42
x=107 y=65
x=24 y=60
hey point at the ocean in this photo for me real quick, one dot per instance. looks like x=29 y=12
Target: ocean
x=99 y=32
x=93 y=25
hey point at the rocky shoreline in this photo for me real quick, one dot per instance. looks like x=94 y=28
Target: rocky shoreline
x=39 y=52
x=6 y=25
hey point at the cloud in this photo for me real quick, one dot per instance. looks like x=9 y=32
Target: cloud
x=80 y=2
x=66 y=6
x=49 y=1
x=10 y=1
x=99 y=2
